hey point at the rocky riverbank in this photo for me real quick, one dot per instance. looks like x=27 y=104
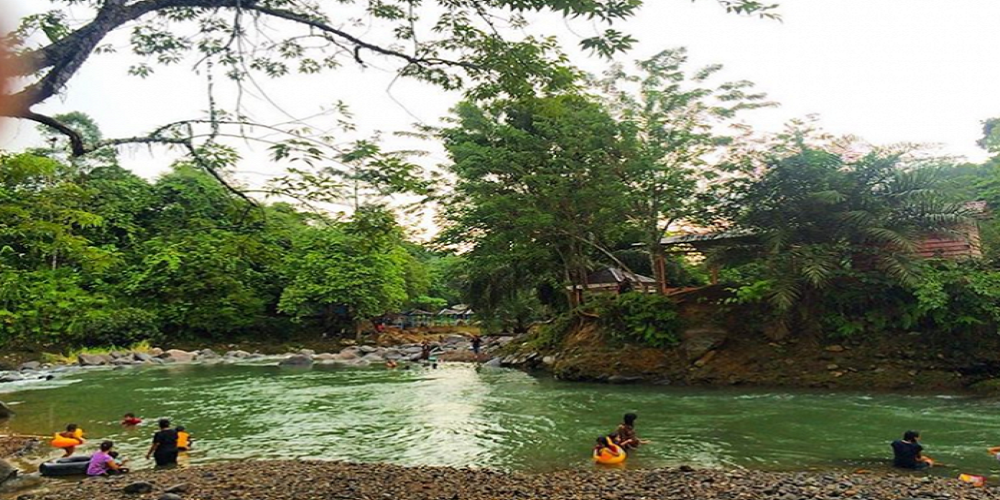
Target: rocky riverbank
x=312 y=480
x=447 y=347
x=716 y=356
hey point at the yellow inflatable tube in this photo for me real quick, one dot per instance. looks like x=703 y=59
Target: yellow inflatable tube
x=606 y=457
x=59 y=441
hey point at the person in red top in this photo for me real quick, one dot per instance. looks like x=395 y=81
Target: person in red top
x=130 y=419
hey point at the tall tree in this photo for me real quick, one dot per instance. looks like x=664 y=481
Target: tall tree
x=539 y=176
x=681 y=121
x=354 y=271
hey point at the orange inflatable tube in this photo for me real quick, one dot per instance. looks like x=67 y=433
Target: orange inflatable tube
x=607 y=457
x=60 y=441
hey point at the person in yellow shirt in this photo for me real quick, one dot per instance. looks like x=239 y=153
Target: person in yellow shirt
x=183 y=439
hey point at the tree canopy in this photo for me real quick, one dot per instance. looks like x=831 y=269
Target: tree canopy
x=471 y=44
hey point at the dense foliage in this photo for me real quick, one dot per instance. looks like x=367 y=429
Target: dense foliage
x=97 y=255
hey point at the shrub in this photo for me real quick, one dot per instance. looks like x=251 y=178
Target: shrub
x=640 y=318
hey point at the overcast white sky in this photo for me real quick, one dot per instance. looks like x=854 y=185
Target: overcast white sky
x=886 y=70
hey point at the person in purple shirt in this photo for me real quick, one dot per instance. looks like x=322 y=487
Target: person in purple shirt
x=101 y=462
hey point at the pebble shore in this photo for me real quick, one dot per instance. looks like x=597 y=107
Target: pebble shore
x=314 y=480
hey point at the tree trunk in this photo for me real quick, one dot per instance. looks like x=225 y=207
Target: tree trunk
x=658 y=261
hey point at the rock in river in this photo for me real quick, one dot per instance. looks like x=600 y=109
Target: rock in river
x=138 y=487
x=297 y=360
x=93 y=359
x=7 y=471
x=5 y=411
x=177 y=356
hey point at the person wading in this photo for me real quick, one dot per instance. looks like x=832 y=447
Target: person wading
x=164 y=447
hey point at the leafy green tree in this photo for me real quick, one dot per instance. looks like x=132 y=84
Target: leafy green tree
x=825 y=216
x=353 y=272
x=681 y=121
x=540 y=179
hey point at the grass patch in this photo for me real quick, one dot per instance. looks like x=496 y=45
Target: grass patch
x=72 y=357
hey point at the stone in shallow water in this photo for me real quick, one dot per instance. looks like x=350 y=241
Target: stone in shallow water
x=177 y=488
x=5 y=411
x=7 y=471
x=296 y=360
x=93 y=359
x=138 y=488
x=178 y=356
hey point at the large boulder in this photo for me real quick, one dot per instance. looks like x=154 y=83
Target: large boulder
x=493 y=363
x=325 y=357
x=238 y=354
x=373 y=358
x=142 y=357
x=297 y=360
x=696 y=342
x=367 y=349
x=30 y=365
x=11 y=377
x=7 y=471
x=93 y=359
x=156 y=351
x=207 y=354
x=5 y=411
x=178 y=356
x=138 y=488
x=348 y=354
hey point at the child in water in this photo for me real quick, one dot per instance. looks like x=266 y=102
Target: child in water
x=72 y=432
x=183 y=439
x=130 y=419
x=604 y=447
x=120 y=462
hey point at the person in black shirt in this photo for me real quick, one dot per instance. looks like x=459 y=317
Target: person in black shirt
x=907 y=452
x=164 y=447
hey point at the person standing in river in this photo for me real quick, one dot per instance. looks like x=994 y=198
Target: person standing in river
x=164 y=447
x=625 y=433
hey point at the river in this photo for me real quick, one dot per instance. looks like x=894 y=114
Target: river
x=459 y=415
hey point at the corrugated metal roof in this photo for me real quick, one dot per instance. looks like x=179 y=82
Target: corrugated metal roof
x=716 y=236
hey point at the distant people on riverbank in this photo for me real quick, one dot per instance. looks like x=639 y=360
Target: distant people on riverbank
x=164 y=447
x=425 y=351
x=130 y=420
x=102 y=462
x=908 y=453
x=625 y=433
x=477 y=343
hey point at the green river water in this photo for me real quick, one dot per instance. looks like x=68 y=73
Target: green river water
x=459 y=415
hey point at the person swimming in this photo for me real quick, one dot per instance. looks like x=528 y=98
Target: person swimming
x=130 y=419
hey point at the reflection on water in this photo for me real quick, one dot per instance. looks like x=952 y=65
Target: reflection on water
x=460 y=416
